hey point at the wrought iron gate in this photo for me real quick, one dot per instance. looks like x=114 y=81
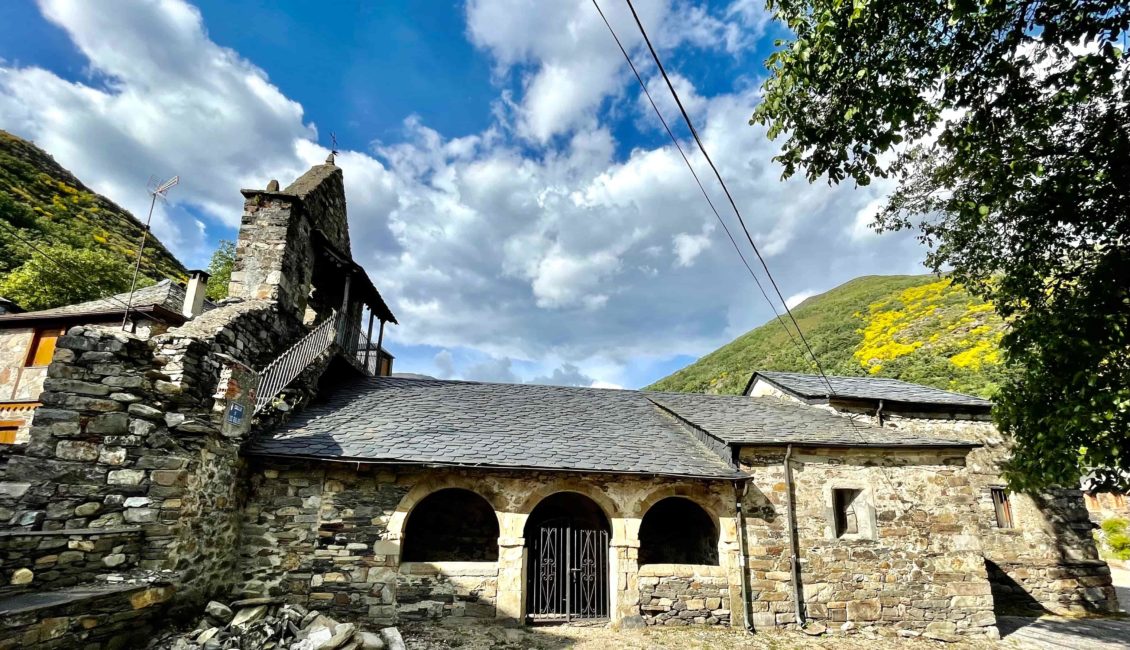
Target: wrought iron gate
x=569 y=574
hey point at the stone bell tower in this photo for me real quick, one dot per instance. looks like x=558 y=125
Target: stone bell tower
x=282 y=235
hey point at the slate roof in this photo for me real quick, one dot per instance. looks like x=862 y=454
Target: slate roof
x=740 y=420
x=870 y=388
x=166 y=294
x=391 y=419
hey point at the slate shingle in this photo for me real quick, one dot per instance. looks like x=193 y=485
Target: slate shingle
x=166 y=293
x=871 y=388
x=547 y=427
x=740 y=420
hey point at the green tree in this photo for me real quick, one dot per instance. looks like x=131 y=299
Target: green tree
x=41 y=283
x=219 y=270
x=1005 y=125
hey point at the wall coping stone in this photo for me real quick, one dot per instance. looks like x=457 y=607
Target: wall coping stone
x=684 y=570
x=30 y=602
x=65 y=532
x=459 y=569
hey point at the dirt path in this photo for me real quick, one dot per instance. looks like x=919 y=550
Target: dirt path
x=473 y=636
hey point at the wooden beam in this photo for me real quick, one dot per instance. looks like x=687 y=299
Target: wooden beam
x=380 y=343
x=369 y=343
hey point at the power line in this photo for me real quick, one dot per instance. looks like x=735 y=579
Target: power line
x=75 y=275
x=850 y=418
x=733 y=204
x=690 y=167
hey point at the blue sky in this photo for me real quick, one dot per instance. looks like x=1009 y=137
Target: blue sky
x=510 y=192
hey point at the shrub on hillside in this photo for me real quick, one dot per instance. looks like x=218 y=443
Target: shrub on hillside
x=1116 y=538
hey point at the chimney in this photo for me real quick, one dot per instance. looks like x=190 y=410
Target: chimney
x=194 y=293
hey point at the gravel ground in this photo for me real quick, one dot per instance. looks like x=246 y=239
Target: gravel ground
x=474 y=635
x=1121 y=577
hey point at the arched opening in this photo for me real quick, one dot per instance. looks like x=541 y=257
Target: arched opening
x=567 y=536
x=451 y=525
x=678 y=531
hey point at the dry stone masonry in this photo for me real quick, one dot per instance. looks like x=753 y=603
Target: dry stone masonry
x=679 y=594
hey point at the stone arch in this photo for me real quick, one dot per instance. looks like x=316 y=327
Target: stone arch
x=707 y=499
x=395 y=529
x=677 y=530
x=451 y=525
x=611 y=508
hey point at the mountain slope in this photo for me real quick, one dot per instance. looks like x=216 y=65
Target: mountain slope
x=48 y=205
x=918 y=328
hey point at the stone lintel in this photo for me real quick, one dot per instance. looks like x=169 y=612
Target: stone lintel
x=252 y=193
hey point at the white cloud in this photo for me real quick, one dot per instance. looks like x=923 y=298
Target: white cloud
x=531 y=241
x=187 y=107
x=687 y=246
x=797 y=298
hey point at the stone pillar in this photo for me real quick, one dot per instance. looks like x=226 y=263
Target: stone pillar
x=511 y=599
x=623 y=563
x=730 y=557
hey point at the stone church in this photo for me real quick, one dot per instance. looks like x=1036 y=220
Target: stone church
x=260 y=449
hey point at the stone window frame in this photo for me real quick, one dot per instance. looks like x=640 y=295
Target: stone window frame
x=865 y=511
x=1003 y=506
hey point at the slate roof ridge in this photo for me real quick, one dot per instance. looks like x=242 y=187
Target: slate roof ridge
x=165 y=293
x=925 y=394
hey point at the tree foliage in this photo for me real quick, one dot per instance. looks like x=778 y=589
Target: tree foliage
x=219 y=270
x=42 y=202
x=41 y=282
x=1006 y=126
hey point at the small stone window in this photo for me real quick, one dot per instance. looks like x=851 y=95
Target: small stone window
x=844 y=508
x=1003 y=507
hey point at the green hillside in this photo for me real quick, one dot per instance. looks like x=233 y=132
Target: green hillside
x=51 y=207
x=918 y=328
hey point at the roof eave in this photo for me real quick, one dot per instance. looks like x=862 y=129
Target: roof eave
x=9 y=321
x=955 y=444
x=735 y=475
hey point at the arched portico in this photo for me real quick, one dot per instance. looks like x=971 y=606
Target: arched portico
x=517 y=502
x=567 y=539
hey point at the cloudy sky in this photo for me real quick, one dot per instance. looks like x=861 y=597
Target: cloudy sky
x=510 y=191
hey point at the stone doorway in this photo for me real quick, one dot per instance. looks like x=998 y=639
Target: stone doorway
x=568 y=574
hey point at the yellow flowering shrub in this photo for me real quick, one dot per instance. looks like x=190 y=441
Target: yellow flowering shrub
x=939 y=316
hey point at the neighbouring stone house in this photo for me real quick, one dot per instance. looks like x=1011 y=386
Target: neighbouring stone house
x=1038 y=548
x=259 y=450
x=1104 y=493
x=27 y=339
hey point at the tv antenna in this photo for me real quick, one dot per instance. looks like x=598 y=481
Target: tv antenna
x=157 y=191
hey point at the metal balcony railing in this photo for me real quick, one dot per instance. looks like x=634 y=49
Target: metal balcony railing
x=297 y=358
x=352 y=342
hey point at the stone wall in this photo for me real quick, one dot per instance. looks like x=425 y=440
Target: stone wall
x=684 y=594
x=1100 y=505
x=13 y=351
x=916 y=567
x=315 y=534
x=1048 y=559
x=328 y=535
x=429 y=590
x=130 y=434
x=123 y=616
x=51 y=559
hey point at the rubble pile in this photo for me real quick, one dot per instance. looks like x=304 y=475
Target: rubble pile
x=268 y=623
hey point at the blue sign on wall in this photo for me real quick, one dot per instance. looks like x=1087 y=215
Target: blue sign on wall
x=235 y=413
